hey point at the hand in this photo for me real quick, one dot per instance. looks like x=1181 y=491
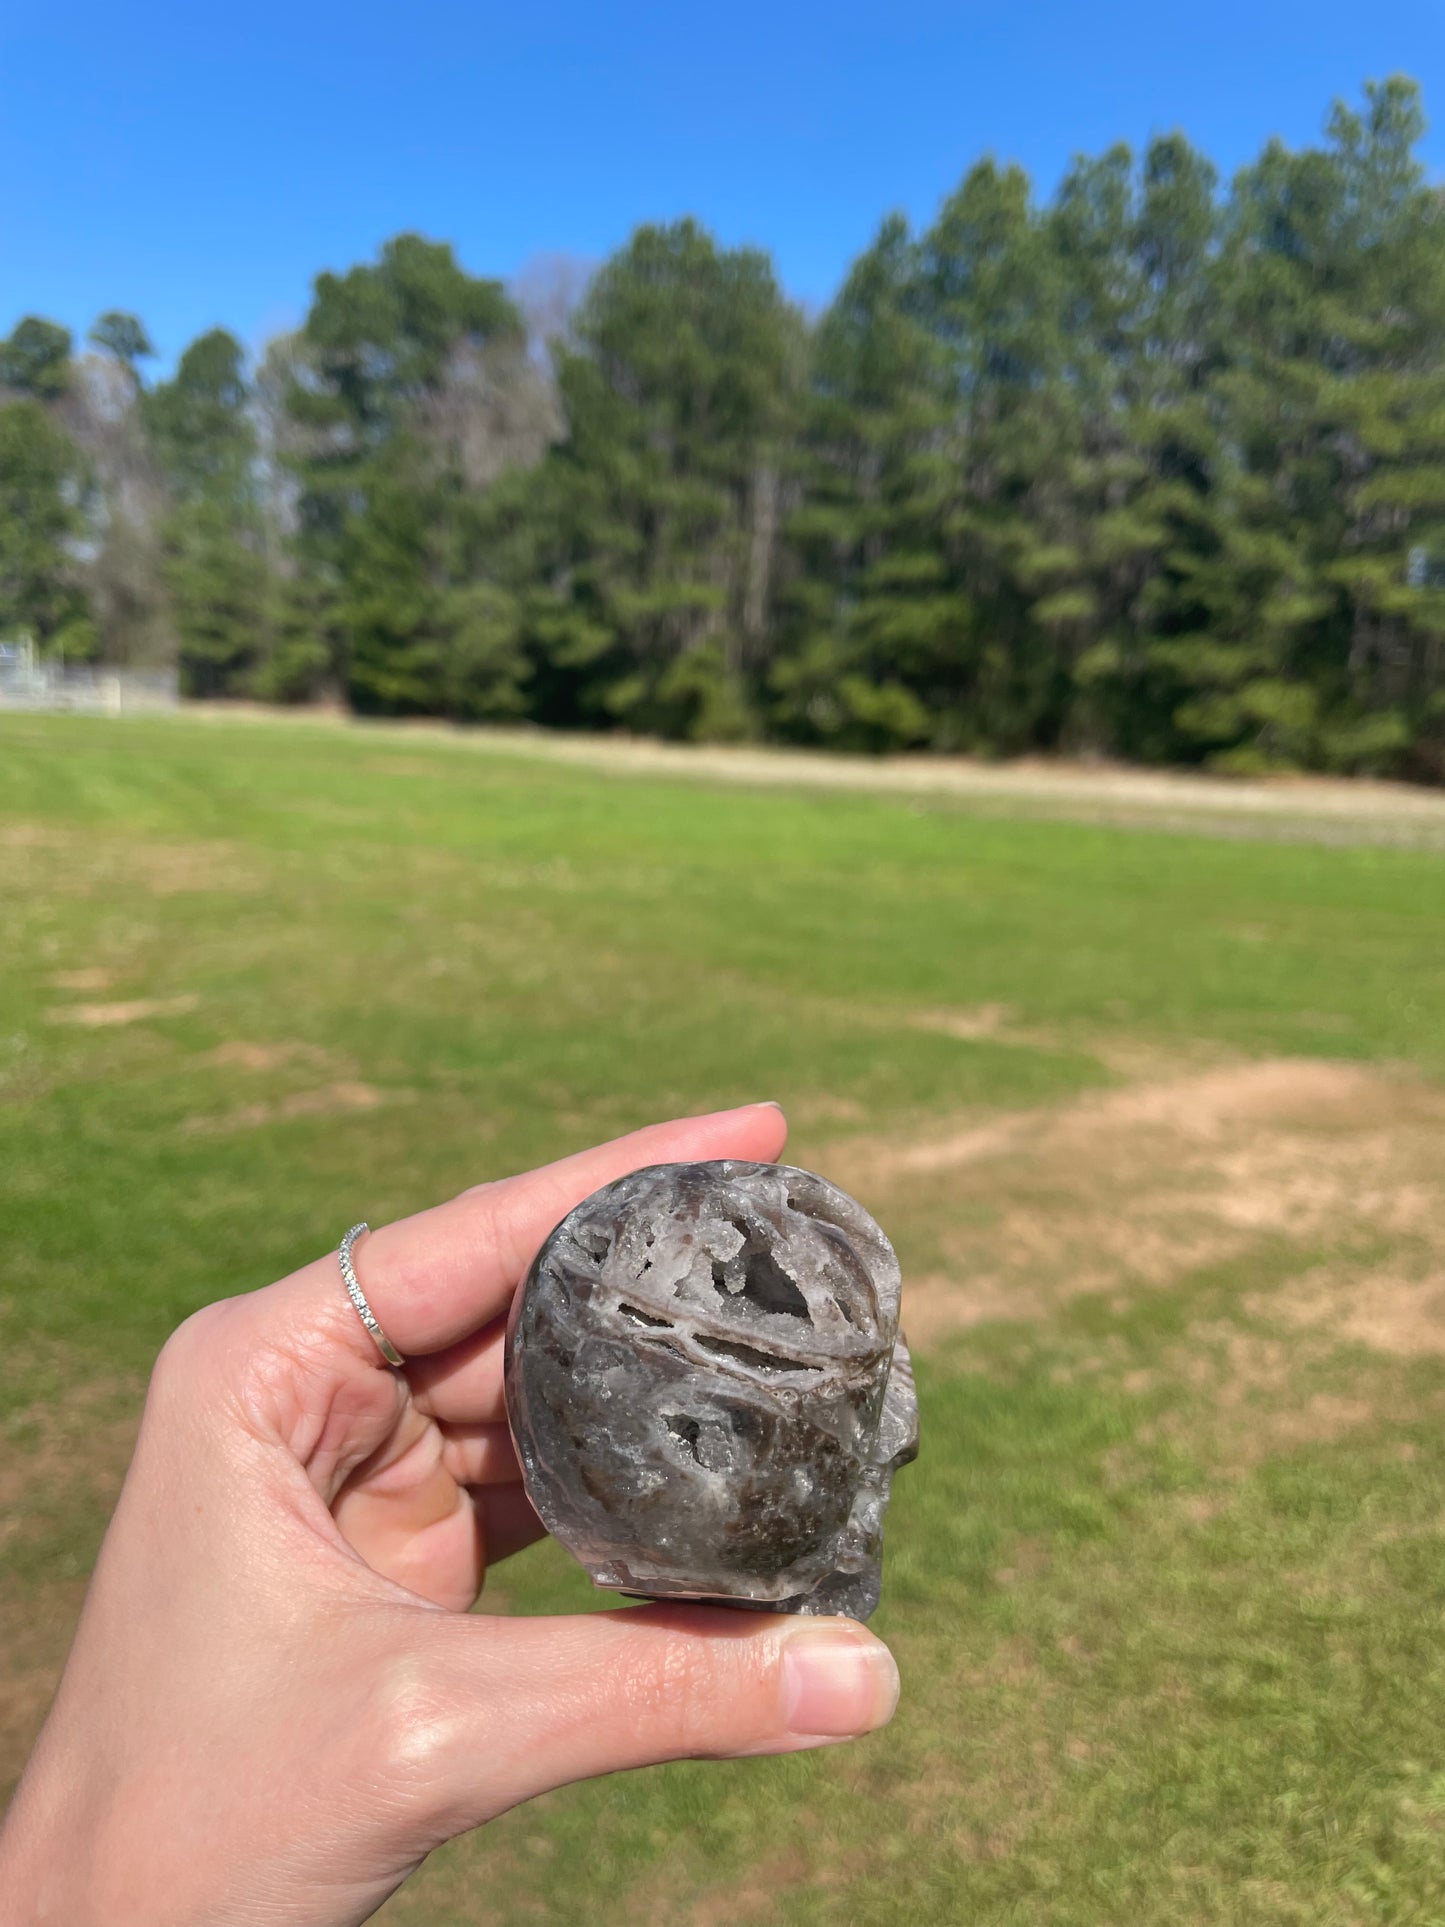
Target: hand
x=277 y=1704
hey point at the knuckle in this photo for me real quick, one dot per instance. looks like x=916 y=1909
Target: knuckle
x=192 y=1345
x=415 y=1726
x=195 y=1368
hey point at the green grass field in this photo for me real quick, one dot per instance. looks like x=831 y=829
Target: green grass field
x=1155 y=1119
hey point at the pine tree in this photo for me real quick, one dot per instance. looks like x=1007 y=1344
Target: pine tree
x=992 y=295
x=678 y=387
x=1322 y=651
x=43 y=493
x=204 y=438
x=393 y=361
x=871 y=619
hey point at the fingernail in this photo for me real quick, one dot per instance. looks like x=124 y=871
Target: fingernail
x=836 y=1684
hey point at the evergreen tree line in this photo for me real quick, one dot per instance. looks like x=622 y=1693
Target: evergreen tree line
x=1156 y=470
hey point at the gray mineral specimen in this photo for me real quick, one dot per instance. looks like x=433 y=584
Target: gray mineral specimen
x=708 y=1390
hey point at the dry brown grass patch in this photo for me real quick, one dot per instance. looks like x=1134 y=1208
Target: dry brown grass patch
x=42 y=859
x=29 y=836
x=80 y=1441
x=1243 y=1404
x=337 y=1099
x=92 y=979
x=756 y=1898
x=1142 y=1185
x=1383 y=1308
x=107 y=1016
x=242 y=1056
x=982 y=1021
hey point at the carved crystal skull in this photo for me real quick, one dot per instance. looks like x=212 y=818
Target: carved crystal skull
x=708 y=1390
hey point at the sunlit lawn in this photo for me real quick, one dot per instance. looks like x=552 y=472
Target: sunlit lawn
x=1156 y=1121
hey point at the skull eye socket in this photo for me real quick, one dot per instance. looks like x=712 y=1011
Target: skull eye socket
x=764 y=1282
x=687 y=1431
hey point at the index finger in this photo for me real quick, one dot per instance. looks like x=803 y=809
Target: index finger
x=433 y=1278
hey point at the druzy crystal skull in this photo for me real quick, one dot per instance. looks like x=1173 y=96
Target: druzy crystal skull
x=708 y=1391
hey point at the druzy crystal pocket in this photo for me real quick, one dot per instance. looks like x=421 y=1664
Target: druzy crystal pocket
x=708 y=1390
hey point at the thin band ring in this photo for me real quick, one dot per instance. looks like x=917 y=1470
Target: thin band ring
x=358 y=1297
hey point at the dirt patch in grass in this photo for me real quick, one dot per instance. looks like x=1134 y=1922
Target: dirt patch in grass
x=936 y=1304
x=242 y=1056
x=44 y=860
x=172 y=869
x=1204 y=1105
x=1383 y=1308
x=1141 y=1185
x=969 y=1026
x=331 y=1100
x=74 y=1440
x=1133 y=1060
x=135 y=1011
x=1247 y=1399
x=756 y=1896
x=1323 y=1419
x=92 y=979
x=29 y=836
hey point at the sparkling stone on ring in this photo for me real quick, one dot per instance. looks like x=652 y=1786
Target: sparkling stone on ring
x=358 y=1297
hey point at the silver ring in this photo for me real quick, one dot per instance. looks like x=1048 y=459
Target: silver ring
x=358 y=1297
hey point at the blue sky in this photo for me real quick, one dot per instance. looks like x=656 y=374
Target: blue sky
x=199 y=164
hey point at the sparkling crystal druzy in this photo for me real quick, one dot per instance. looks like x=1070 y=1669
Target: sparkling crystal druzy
x=708 y=1390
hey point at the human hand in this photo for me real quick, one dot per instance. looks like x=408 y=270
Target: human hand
x=277 y=1704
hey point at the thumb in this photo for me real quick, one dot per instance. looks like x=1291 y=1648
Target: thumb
x=554 y=1700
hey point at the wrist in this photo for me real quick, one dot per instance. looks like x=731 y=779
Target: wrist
x=66 y=1862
